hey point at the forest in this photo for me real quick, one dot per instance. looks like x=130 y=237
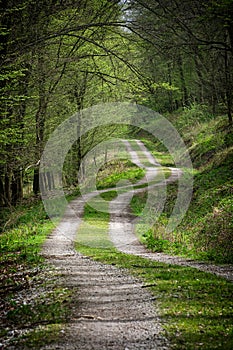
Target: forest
x=60 y=58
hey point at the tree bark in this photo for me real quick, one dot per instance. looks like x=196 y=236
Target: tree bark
x=170 y=93
x=182 y=79
x=36 y=185
x=17 y=187
x=7 y=186
x=2 y=194
x=40 y=118
x=228 y=85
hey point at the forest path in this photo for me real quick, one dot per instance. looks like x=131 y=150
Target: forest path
x=122 y=227
x=110 y=308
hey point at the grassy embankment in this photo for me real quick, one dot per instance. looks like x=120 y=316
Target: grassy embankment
x=206 y=230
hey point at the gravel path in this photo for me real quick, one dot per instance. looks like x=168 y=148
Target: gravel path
x=110 y=308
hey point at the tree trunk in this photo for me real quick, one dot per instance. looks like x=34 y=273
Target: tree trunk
x=229 y=108
x=182 y=79
x=16 y=187
x=170 y=93
x=2 y=195
x=79 y=94
x=40 y=119
x=228 y=85
x=200 y=83
x=7 y=187
x=36 y=185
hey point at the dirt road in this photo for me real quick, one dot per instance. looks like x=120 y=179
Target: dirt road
x=111 y=309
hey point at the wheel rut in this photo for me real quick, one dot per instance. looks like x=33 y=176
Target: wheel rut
x=110 y=309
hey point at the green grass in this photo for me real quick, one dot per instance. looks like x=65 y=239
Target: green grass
x=138 y=202
x=23 y=235
x=210 y=217
x=42 y=315
x=195 y=308
x=93 y=231
x=117 y=170
x=108 y=196
x=206 y=230
x=35 y=339
x=209 y=221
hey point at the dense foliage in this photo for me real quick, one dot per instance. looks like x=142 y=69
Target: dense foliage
x=58 y=57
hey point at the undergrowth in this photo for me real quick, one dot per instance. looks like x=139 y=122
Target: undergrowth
x=23 y=233
x=32 y=307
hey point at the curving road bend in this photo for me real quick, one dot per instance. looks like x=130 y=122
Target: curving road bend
x=122 y=225
x=110 y=308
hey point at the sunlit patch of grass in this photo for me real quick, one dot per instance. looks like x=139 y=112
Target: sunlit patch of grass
x=138 y=202
x=163 y=158
x=117 y=170
x=108 y=196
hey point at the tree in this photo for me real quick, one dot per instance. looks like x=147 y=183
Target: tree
x=44 y=44
x=195 y=40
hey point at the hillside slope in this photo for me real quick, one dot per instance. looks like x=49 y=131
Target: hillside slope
x=207 y=229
